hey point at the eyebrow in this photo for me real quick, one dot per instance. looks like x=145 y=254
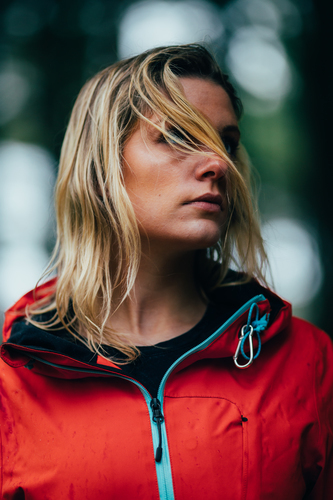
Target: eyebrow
x=229 y=128
x=221 y=131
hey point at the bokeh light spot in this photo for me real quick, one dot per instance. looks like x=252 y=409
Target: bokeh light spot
x=15 y=90
x=150 y=24
x=26 y=187
x=259 y=64
x=294 y=260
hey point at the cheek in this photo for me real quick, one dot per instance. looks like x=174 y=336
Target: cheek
x=140 y=174
x=134 y=180
x=141 y=190
x=147 y=183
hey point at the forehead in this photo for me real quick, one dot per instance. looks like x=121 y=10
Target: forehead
x=211 y=100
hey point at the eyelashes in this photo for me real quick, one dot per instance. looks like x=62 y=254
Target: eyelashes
x=231 y=145
x=176 y=137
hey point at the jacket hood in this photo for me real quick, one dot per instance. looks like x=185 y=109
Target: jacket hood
x=57 y=353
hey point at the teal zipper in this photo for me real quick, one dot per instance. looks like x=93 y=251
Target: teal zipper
x=163 y=465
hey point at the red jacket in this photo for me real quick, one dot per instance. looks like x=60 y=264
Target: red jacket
x=73 y=427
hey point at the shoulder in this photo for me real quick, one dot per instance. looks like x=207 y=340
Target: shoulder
x=309 y=345
x=316 y=348
x=311 y=335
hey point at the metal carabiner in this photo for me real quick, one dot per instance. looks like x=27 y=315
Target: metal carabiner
x=241 y=338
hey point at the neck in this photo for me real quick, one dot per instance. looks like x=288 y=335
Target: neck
x=163 y=303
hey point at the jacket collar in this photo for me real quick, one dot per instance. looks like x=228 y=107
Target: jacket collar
x=56 y=353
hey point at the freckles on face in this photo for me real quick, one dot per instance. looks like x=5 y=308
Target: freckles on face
x=178 y=198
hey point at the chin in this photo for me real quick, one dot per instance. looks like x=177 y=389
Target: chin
x=205 y=240
x=206 y=236
x=207 y=243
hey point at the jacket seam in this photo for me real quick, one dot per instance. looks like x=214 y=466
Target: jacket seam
x=208 y=397
x=245 y=463
x=314 y=390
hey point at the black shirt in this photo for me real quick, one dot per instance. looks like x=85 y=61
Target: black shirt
x=150 y=367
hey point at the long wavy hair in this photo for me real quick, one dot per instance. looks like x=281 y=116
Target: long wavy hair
x=96 y=224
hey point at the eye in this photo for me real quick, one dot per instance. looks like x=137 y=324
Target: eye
x=178 y=135
x=231 y=145
x=175 y=137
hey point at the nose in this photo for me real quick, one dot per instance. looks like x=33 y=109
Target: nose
x=211 y=167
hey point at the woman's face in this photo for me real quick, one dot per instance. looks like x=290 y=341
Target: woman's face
x=179 y=198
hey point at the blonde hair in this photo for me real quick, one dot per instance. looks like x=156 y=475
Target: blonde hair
x=95 y=219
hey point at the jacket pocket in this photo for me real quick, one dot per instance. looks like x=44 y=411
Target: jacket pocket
x=207 y=439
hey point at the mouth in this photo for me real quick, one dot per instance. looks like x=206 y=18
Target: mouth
x=208 y=202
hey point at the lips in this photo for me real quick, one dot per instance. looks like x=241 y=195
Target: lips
x=208 y=202
x=210 y=198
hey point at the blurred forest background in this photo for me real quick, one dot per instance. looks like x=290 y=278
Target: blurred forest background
x=279 y=56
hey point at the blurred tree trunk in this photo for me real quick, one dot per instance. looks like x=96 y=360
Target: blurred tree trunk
x=318 y=81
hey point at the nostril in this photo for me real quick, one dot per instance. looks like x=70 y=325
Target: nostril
x=210 y=173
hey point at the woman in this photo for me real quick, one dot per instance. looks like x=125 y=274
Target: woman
x=123 y=378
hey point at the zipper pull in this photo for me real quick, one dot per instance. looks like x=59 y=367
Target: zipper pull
x=158 y=418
